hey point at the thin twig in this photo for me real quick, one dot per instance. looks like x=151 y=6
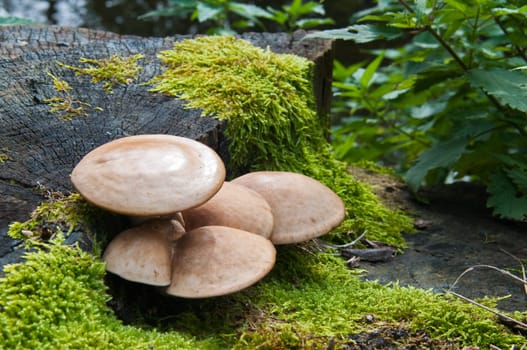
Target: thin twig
x=508 y=318
x=347 y=245
x=505 y=272
x=438 y=37
x=522 y=266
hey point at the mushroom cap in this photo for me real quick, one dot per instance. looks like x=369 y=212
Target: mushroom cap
x=217 y=260
x=233 y=206
x=147 y=175
x=303 y=208
x=144 y=253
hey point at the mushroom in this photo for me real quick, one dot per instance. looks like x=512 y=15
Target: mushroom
x=302 y=207
x=216 y=260
x=233 y=206
x=138 y=220
x=149 y=175
x=144 y=253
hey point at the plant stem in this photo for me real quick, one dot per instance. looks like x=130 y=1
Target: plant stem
x=438 y=38
x=521 y=52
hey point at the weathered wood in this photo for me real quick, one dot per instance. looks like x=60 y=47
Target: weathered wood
x=42 y=149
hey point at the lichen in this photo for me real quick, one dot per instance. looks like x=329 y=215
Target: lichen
x=4 y=155
x=268 y=101
x=65 y=105
x=111 y=71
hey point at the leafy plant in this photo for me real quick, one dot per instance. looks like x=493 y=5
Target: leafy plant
x=228 y=17
x=449 y=104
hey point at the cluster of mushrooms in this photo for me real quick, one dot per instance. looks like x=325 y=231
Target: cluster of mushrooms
x=197 y=235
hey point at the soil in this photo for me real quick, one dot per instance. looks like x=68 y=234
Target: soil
x=455 y=231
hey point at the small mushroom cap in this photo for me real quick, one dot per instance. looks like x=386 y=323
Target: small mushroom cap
x=148 y=175
x=303 y=208
x=144 y=253
x=216 y=260
x=233 y=206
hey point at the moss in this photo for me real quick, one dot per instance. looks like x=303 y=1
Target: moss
x=268 y=101
x=65 y=105
x=57 y=299
x=4 y=155
x=309 y=299
x=64 y=214
x=111 y=71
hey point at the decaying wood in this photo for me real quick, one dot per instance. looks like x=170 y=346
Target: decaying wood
x=40 y=149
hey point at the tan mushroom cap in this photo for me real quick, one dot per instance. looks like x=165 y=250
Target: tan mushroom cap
x=144 y=253
x=148 y=175
x=233 y=206
x=303 y=208
x=216 y=260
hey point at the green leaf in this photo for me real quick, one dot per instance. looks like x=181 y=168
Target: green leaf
x=504 y=199
x=360 y=33
x=370 y=70
x=178 y=8
x=313 y=22
x=508 y=87
x=442 y=154
x=519 y=177
x=207 y=11
x=249 y=11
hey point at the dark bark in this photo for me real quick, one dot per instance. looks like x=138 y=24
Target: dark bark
x=42 y=149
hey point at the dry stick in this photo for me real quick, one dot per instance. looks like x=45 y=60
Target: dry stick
x=347 y=245
x=521 y=264
x=505 y=317
x=508 y=318
x=488 y=267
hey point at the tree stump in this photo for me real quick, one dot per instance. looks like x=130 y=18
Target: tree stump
x=38 y=149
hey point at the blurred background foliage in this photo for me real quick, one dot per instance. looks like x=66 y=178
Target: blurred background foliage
x=434 y=89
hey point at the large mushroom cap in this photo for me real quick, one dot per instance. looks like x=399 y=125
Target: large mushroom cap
x=233 y=206
x=147 y=175
x=144 y=253
x=216 y=260
x=303 y=208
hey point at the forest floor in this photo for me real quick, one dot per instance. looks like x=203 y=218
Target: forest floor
x=456 y=247
x=455 y=231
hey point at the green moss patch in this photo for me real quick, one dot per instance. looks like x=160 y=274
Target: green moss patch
x=66 y=214
x=57 y=299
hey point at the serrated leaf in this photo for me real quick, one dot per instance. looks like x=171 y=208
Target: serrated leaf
x=503 y=198
x=518 y=176
x=509 y=87
x=442 y=154
x=360 y=33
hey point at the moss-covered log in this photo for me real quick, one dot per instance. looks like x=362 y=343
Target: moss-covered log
x=39 y=147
